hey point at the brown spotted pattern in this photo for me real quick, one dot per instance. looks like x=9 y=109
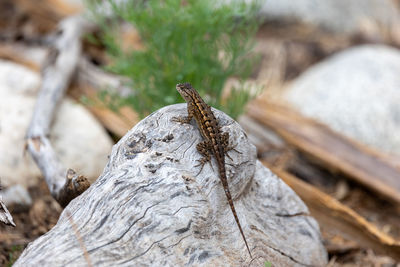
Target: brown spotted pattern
x=215 y=142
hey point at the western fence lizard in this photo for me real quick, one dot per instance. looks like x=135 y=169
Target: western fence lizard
x=215 y=142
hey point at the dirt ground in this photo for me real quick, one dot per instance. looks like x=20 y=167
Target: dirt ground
x=30 y=223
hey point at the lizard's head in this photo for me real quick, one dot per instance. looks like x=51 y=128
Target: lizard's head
x=186 y=91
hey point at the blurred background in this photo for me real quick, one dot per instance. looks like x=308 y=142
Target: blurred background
x=315 y=84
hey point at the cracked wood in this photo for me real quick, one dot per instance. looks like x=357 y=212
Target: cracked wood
x=133 y=216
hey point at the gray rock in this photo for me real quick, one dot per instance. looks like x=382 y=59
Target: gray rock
x=349 y=16
x=355 y=92
x=152 y=207
x=16 y=195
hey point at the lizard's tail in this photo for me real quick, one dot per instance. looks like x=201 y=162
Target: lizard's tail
x=230 y=201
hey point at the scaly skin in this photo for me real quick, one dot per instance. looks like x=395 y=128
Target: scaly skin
x=215 y=142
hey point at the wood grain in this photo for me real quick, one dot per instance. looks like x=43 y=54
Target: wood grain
x=338 y=218
x=358 y=162
x=149 y=207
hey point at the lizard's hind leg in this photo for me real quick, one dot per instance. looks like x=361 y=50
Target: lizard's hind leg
x=204 y=149
x=227 y=147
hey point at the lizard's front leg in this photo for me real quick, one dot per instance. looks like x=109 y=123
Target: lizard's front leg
x=182 y=119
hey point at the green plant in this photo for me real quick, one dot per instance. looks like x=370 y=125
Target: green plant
x=14 y=254
x=184 y=41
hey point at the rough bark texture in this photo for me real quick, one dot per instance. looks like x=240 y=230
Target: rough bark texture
x=150 y=208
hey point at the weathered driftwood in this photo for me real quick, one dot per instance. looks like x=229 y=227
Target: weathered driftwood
x=369 y=167
x=5 y=216
x=338 y=218
x=63 y=185
x=152 y=207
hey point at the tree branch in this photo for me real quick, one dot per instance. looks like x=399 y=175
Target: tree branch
x=57 y=74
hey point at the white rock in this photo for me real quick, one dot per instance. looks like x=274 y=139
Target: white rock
x=349 y=16
x=16 y=194
x=355 y=92
x=150 y=208
x=79 y=140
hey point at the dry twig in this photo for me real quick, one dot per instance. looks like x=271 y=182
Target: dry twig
x=57 y=73
x=5 y=215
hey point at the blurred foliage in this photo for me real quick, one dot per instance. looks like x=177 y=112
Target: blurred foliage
x=16 y=250
x=200 y=42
